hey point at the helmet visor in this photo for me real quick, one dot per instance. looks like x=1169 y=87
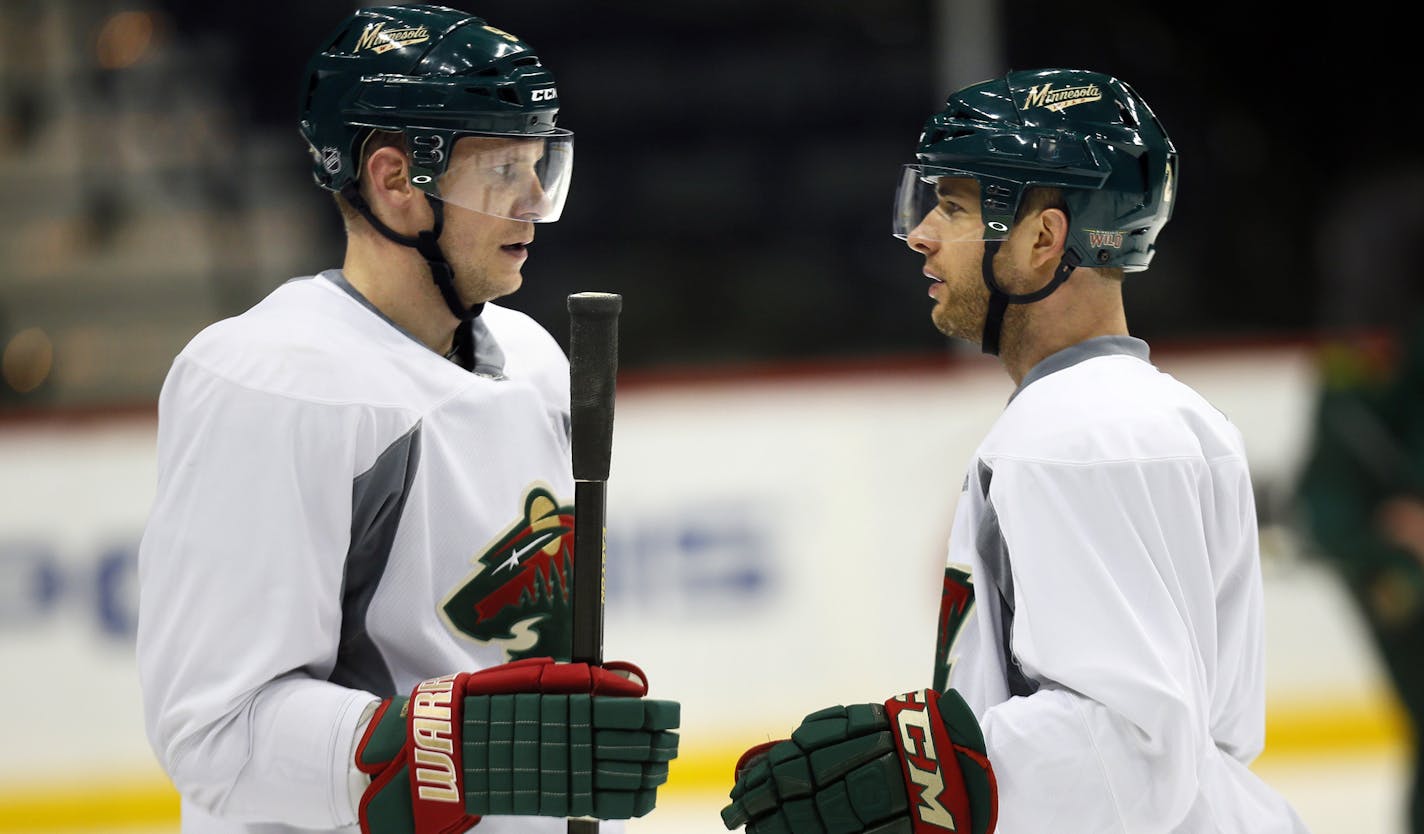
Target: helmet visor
x=943 y=204
x=516 y=177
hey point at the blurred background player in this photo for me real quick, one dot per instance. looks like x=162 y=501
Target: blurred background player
x=1101 y=619
x=364 y=486
x=1361 y=497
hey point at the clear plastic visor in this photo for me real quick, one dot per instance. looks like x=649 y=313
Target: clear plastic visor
x=941 y=204
x=516 y=177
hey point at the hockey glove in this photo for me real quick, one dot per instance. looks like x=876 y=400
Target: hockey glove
x=915 y=765
x=533 y=737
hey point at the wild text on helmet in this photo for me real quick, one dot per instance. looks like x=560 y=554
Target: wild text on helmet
x=1098 y=238
x=379 y=39
x=1045 y=96
x=431 y=728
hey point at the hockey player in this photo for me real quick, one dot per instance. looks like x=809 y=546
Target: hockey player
x=1360 y=502
x=1100 y=661
x=354 y=604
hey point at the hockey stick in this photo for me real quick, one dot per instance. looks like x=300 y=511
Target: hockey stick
x=593 y=367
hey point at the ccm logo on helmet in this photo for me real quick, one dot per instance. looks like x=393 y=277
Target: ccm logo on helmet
x=921 y=764
x=544 y=95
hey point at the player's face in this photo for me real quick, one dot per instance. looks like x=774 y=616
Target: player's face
x=492 y=196
x=950 y=236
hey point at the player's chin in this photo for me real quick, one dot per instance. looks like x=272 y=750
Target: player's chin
x=946 y=322
x=942 y=317
x=510 y=281
x=495 y=283
x=499 y=289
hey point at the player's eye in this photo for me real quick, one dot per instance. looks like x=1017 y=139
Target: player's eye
x=949 y=208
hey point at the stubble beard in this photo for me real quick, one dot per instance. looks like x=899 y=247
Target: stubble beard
x=961 y=312
x=482 y=271
x=480 y=282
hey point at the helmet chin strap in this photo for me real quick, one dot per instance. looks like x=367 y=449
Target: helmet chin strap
x=999 y=299
x=427 y=243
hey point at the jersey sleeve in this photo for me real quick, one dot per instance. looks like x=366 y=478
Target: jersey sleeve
x=1113 y=590
x=240 y=571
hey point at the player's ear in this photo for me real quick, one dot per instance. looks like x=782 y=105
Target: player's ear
x=388 y=175
x=1051 y=237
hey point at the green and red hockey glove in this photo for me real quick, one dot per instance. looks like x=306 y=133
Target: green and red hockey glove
x=533 y=737
x=915 y=765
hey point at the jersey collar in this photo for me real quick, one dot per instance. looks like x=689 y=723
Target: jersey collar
x=1087 y=349
x=489 y=357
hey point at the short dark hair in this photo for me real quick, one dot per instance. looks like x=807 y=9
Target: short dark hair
x=1040 y=197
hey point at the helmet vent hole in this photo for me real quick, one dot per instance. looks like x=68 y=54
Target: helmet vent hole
x=508 y=94
x=336 y=38
x=1126 y=115
x=479 y=91
x=525 y=61
x=489 y=72
x=1145 y=166
x=311 y=88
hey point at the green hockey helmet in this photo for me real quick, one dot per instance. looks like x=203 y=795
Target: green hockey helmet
x=438 y=75
x=1084 y=132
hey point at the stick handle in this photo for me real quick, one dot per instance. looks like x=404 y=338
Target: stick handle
x=593 y=369
x=589 y=557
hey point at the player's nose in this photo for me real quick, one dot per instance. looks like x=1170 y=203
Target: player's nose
x=534 y=204
x=920 y=242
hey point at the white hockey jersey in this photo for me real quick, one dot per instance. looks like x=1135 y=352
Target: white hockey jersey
x=340 y=514
x=1103 y=605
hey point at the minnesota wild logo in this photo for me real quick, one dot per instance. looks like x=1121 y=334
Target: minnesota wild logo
x=518 y=594
x=955 y=603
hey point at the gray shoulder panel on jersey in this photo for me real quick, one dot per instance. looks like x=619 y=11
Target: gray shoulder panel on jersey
x=489 y=356
x=1084 y=350
x=994 y=555
x=377 y=502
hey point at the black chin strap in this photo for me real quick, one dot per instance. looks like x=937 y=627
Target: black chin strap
x=999 y=300
x=427 y=243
